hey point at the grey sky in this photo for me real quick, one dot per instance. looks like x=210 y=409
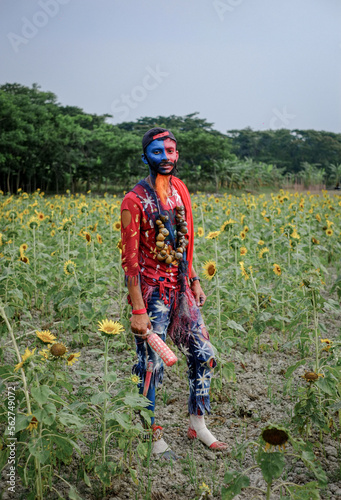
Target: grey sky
x=258 y=63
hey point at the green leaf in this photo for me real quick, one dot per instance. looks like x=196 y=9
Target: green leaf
x=97 y=399
x=308 y=491
x=83 y=375
x=136 y=400
x=272 y=465
x=124 y=420
x=235 y=483
x=41 y=394
x=142 y=449
x=70 y=420
x=292 y=368
x=235 y=326
x=46 y=414
x=228 y=371
x=105 y=471
x=73 y=494
x=327 y=385
x=21 y=422
x=111 y=377
x=86 y=479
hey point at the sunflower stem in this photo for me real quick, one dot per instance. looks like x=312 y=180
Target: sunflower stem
x=217 y=288
x=104 y=430
x=268 y=491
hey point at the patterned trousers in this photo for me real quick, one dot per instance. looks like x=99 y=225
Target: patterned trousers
x=199 y=355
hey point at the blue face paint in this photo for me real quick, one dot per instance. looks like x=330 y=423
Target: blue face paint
x=161 y=156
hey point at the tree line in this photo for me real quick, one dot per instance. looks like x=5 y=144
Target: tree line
x=53 y=147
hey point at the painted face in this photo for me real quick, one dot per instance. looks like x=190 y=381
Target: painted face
x=162 y=156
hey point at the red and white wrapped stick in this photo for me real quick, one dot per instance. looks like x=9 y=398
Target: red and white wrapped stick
x=162 y=349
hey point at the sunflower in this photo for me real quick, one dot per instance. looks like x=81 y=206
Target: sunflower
x=24 y=259
x=45 y=336
x=27 y=354
x=275 y=437
x=318 y=217
x=295 y=235
x=212 y=235
x=83 y=208
x=44 y=353
x=242 y=235
x=23 y=248
x=204 y=489
x=33 y=223
x=135 y=379
x=227 y=225
x=33 y=425
x=66 y=224
x=277 y=270
x=40 y=215
x=246 y=229
x=87 y=236
x=328 y=344
x=329 y=232
x=244 y=273
x=235 y=242
x=262 y=252
x=119 y=245
x=109 y=327
x=99 y=239
x=311 y=376
x=73 y=358
x=210 y=269
x=117 y=225
x=201 y=231
x=315 y=241
x=69 y=267
x=57 y=349
x=243 y=251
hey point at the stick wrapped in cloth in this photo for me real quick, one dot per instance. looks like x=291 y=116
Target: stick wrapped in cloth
x=162 y=349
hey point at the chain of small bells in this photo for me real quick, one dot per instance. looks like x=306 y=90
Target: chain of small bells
x=165 y=253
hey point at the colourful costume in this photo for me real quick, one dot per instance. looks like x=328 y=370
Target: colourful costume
x=169 y=300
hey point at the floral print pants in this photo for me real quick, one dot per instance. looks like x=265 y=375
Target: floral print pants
x=199 y=355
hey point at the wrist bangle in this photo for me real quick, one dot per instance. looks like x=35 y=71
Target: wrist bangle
x=139 y=311
x=196 y=278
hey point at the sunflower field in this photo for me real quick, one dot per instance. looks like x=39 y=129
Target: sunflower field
x=270 y=267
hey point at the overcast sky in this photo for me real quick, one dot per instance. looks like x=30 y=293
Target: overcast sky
x=239 y=63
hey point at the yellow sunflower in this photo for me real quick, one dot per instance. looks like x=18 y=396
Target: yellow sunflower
x=57 y=349
x=201 y=231
x=23 y=248
x=212 y=235
x=117 y=225
x=27 y=354
x=69 y=267
x=210 y=269
x=33 y=425
x=135 y=379
x=311 y=376
x=87 y=236
x=119 y=245
x=243 y=251
x=109 y=327
x=243 y=270
x=328 y=343
x=45 y=336
x=73 y=358
x=262 y=252
x=40 y=215
x=277 y=270
x=33 y=223
x=99 y=239
x=242 y=235
x=315 y=241
x=24 y=259
x=329 y=232
x=274 y=437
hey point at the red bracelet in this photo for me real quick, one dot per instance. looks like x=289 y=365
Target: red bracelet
x=139 y=311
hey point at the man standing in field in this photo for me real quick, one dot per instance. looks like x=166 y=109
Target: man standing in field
x=164 y=289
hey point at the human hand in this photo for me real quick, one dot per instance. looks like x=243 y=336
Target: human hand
x=140 y=323
x=200 y=297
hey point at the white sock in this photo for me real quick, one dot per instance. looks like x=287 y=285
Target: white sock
x=197 y=422
x=160 y=446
